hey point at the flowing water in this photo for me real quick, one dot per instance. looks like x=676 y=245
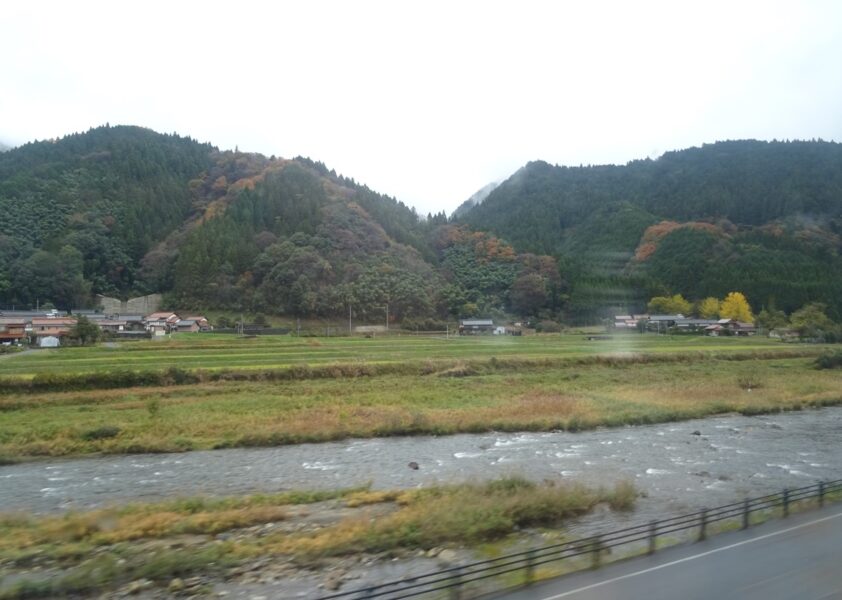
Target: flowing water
x=679 y=466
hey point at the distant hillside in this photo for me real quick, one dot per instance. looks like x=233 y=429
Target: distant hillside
x=4 y=147
x=124 y=210
x=477 y=198
x=770 y=215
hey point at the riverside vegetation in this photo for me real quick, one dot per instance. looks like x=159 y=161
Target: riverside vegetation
x=230 y=392
x=201 y=392
x=210 y=538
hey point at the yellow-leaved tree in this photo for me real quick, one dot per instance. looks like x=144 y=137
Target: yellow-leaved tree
x=669 y=305
x=709 y=308
x=735 y=306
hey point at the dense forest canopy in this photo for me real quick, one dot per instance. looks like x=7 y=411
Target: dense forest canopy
x=123 y=211
x=762 y=217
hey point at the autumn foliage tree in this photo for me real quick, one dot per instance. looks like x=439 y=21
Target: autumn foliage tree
x=669 y=305
x=709 y=308
x=735 y=306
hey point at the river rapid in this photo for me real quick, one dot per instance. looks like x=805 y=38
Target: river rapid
x=677 y=466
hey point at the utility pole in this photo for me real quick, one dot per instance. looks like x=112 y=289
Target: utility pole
x=350 y=328
x=387 y=317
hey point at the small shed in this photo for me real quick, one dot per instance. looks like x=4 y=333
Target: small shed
x=476 y=326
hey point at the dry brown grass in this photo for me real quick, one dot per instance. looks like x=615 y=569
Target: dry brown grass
x=228 y=414
x=463 y=514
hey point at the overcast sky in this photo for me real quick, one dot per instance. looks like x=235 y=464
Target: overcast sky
x=427 y=101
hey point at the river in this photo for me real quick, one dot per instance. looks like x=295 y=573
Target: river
x=678 y=466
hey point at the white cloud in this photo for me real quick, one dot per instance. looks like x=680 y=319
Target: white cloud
x=427 y=101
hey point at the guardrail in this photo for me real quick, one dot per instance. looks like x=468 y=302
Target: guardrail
x=457 y=579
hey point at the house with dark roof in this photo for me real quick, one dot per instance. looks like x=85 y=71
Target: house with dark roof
x=187 y=326
x=730 y=327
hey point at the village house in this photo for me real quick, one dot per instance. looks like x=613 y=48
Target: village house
x=693 y=325
x=111 y=325
x=160 y=323
x=165 y=316
x=730 y=327
x=12 y=330
x=662 y=323
x=187 y=326
x=47 y=331
x=628 y=322
x=133 y=322
x=201 y=322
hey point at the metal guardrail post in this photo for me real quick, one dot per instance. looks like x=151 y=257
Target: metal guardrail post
x=821 y=493
x=746 y=513
x=596 y=552
x=456 y=586
x=529 y=576
x=703 y=524
x=785 y=499
x=653 y=536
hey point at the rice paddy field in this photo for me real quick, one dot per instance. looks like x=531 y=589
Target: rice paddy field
x=215 y=352
x=291 y=390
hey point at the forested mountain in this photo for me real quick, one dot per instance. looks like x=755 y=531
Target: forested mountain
x=477 y=198
x=125 y=210
x=761 y=217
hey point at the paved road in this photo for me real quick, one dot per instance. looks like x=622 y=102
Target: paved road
x=798 y=558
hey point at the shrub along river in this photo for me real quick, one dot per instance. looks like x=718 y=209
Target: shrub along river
x=678 y=466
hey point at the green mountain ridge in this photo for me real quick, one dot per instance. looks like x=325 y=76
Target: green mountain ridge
x=124 y=210
x=770 y=215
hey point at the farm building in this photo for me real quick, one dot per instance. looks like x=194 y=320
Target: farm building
x=476 y=326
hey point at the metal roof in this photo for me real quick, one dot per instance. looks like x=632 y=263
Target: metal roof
x=477 y=322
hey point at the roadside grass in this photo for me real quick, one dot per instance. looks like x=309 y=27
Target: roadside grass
x=109 y=569
x=224 y=414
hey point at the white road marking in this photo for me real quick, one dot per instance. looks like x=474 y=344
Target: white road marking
x=689 y=558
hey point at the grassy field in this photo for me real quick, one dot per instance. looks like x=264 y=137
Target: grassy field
x=529 y=384
x=216 y=352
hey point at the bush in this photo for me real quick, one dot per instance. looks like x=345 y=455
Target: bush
x=831 y=360
x=548 y=327
x=101 y=433
x=424 y=325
